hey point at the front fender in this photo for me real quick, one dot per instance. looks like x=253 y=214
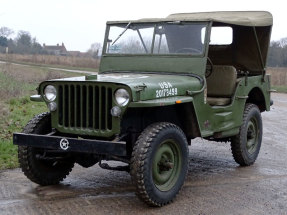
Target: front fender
x=162 y=101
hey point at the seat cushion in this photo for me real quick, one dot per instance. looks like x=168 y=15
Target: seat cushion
x=218 y=101
x=222 y=81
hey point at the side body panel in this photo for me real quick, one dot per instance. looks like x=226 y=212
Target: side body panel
x=224 y=121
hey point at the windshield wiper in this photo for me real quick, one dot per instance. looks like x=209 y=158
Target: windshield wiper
x=126 y=28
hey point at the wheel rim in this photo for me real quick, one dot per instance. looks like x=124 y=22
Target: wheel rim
x=252 y=135
x=166 y=165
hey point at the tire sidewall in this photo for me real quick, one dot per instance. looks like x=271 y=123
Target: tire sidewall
x=254 y=112
x=174 y=134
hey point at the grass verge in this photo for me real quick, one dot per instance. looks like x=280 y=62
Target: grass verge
x=53 y=66
x=20 y=112
x=65 y=62
x=8 y=155
x=280 y=89
x=17 y=83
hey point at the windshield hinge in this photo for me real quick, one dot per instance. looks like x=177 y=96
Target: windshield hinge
x=246 y=78
x=263 y=75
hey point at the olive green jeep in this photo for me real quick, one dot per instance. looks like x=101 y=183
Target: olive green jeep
x=161 y=83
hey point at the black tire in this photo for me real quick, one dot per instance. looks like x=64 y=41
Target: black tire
x=159 y=163
x=42 y=172
x=246 y=145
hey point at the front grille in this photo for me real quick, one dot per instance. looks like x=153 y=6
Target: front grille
x=85 y=107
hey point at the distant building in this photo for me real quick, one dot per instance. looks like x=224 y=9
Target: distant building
x=74 y=53
x=56 y=50
x=78 y=54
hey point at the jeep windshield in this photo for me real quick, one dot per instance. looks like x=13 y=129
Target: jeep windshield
x=156 y=38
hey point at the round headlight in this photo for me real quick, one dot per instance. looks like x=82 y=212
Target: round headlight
x=50 y=93
x=122 y=97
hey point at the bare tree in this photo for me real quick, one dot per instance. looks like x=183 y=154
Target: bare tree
x=94 y=50
x=283 y=42
x=277 y=55
x=6 y=32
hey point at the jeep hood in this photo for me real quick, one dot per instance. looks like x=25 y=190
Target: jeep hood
x=147 y=86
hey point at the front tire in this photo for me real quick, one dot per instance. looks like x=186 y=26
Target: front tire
x=246 y=145
x=42 y=172
x=159 y=163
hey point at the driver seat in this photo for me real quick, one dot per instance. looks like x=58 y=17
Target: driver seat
x=221 y=85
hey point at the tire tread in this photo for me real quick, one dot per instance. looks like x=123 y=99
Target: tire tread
x=139 y=159
x=25 y=155
x=236 y=147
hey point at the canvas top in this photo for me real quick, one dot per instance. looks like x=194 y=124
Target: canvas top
x=243 y=18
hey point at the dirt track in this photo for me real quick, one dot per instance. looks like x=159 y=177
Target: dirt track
x=215 y=183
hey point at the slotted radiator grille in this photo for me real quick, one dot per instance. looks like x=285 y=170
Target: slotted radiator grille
x=85 y=107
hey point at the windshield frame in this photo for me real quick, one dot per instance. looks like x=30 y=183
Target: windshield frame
x=205 y=42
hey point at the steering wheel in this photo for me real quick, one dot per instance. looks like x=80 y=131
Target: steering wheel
x=188 y=50
x=209 y=68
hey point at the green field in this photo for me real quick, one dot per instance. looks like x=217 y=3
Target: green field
x=20 y=112
x=17 y=83
x=280 y=89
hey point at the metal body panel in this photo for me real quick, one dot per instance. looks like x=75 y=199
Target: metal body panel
x=162 y=101
x=83 y=106
x=154 y=63
x=215 y=119
x=144 y=87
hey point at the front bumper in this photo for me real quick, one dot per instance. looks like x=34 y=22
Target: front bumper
x=66 y=144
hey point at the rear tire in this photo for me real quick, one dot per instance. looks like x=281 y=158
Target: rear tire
x=159 y=163
x=246 y=145
x=42 y=172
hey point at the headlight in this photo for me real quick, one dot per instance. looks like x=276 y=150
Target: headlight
x=122 y=97
x=50 y=93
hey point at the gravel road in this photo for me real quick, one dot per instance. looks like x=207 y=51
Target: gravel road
x=215 y=183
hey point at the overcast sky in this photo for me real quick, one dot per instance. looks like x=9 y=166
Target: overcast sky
x=80 y=23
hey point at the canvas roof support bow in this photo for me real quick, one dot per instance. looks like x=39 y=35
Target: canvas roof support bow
x=259 y=53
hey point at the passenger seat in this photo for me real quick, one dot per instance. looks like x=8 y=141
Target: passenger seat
x=221 y=85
